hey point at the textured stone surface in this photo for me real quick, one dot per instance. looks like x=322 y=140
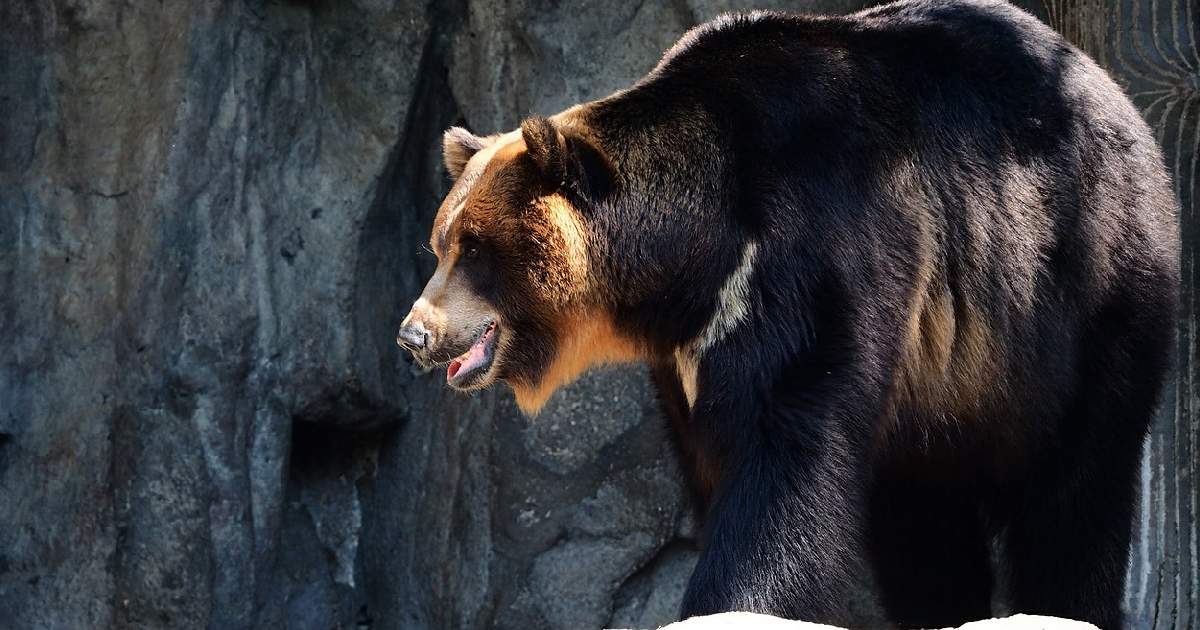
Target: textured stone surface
x=211 y=219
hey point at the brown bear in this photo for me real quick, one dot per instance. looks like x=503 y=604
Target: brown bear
x=906 y=281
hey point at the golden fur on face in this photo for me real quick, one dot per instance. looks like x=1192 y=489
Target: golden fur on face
x=547 y=310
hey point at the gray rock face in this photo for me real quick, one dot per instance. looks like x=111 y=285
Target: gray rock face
x=211 y=220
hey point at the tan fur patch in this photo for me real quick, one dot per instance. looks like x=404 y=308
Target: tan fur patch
x=584 y=341
x=951 y=361
x=686 y=366
x=564 y=219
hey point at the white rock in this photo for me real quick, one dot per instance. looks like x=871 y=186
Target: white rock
x=754 y=621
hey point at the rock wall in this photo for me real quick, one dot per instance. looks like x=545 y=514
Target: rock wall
x=211 y=217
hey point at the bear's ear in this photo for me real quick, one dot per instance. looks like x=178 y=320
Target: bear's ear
x=567 y=159
x=458 y=145
x=545 y=145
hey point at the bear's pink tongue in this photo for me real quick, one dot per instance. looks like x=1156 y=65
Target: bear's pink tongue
x=473 y=358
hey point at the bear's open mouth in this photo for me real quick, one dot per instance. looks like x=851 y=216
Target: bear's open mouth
x=468 y=369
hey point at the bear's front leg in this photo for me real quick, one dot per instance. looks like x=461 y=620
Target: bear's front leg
x=782 y=535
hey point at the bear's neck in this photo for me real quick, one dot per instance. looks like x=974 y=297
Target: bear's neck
x=666 y=235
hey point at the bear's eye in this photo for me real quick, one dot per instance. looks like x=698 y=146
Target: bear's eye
x=469 y=248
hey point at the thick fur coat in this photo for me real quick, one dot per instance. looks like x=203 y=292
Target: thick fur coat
x=906 y=280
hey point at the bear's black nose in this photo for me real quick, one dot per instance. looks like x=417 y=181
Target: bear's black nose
x=413 y=337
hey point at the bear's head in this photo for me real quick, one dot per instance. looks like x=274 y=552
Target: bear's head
x=515 y=296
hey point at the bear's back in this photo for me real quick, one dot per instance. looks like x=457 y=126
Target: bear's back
x=961 y=143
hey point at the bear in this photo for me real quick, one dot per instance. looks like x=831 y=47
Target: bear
x=905 y=281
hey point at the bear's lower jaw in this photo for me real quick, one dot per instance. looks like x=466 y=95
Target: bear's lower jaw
x=472 y=369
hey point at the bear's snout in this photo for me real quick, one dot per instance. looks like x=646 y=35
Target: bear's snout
x=413 y=337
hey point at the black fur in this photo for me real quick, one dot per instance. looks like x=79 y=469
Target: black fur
x=960 y=140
